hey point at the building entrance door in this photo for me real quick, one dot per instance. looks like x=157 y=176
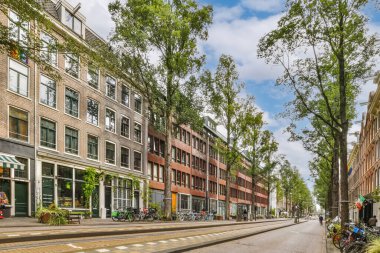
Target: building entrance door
x=95 y=202
x=108 y=200
x=21 y=199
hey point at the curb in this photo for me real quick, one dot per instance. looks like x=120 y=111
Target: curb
x=118 y=232
x=234 y=238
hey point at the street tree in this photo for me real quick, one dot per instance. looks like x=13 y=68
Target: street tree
x=232 y=112
x=324 y=45
x=157 y=43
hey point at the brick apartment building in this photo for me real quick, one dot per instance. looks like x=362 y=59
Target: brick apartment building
x=364 y=166
x=199 y=173
x=56 y=129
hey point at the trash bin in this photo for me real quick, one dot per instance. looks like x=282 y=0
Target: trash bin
x=7 y=211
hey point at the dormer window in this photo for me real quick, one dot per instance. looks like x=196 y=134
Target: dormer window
x=73 y=23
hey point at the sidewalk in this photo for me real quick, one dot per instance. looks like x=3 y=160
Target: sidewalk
x=330 y=248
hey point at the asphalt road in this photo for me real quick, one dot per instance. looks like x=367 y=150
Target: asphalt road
x=167 y=241
x=303 y=238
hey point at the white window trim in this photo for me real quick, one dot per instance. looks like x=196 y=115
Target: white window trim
x=105 y=81
x=141 y=141
x=68 y=87
x=142 y=104
x=139 y=171
x=97 y=137
x=89 y=98
x=64 y=149
x=129 y=132
x=79 y=67
x=9 y=21
x=105 y=117
x=9 y=106
x=8 y=81
x=56 y=53
x=56 y=134
x=105 y=152
x=129 y=157
x=56 y=93
x=98 y=71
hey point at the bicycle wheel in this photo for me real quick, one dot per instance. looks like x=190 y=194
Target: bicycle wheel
x=339 y=239
x=355 y=247
x=130 y=217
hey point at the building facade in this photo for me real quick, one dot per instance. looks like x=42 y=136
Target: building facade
x=58 y=128
x=364 y=178
x=198 y=173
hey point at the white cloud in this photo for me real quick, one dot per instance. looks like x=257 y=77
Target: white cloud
x=239 y=38
x=264 y=5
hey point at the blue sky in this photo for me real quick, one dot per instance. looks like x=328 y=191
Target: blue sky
x=236 y=30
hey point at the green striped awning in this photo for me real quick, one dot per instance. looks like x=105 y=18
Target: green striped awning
x=8 y=161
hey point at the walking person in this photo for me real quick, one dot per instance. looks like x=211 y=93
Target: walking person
x=321 y=219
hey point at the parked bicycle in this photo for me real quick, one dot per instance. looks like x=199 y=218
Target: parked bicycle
x=122 y=215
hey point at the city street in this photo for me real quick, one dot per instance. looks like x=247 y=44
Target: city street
x=274 y=236
x=303 y=238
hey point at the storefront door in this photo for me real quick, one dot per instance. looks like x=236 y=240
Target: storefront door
x=21 y=199
x=107 y=201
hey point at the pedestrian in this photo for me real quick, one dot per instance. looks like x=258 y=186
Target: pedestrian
x=245 y=214
x=321 y=219
x=372 y=221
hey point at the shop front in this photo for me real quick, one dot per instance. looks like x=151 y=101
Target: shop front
x=198 y=204
x=15 y=184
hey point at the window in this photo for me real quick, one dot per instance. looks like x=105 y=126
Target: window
x=48 y=49
x=125 y=127
x=18 y=31
x=93 y=76
x=48 y=91
x=174 y=153
x=161 y=174
x=155 y=172
x=79 y=200
x=137 y=132
x=18 y=124
x=65 y=186
x=22 y=173
x=110 y=152
x=110 y=120
x=92 y=111
x=137 y=160
x=110 y=87
x=72 y=64
x=125 y=157
x=92 y=147
x=125 y=95
x=47 y=184
x=71 y=140
x=71 y=102
x=73 y=23
x=18 y=78
x=138 y=103
x=162 y=148
x=47 y=135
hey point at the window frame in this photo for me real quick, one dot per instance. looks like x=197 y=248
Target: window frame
x=72 y=25
x=18 y=79
x=107 y=89
x=105 y=157
x=78 y=102
x=28 y=119
x=129 y=95
x=97 y=118
x=129 y=127
x=134 y=132
x=48 y=52
x=67 y=70
x=134 y=161
x=78 y=138
x=129 y=157
x=40 y=126
x=97 y=144
x=47 y=87
x=105 y=120
x=141 y=102
x=19 y=40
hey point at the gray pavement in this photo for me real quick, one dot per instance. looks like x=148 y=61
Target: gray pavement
x=304 y=238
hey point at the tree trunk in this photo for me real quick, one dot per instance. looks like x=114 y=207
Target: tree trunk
x=286 y=203
x=253 y=214
x=335 y=180
x=228 y=194
x=167 y=176
x=268 y=202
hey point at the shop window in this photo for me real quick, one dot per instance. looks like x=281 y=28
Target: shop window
x=93 y=76
x=185 y=202
x=79 y=196
x=22 y=173
x=65 y=186
x=5 y=186
x=18 y=124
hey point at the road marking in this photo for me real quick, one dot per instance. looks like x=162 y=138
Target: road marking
x=137 y=245
x=173 y=240
x=13 y=235
x=151 y=243
x=35 y=233
x=121 y=247
x=183 y=239
x=163 y=241
x=73 y=246
x=102 y=250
